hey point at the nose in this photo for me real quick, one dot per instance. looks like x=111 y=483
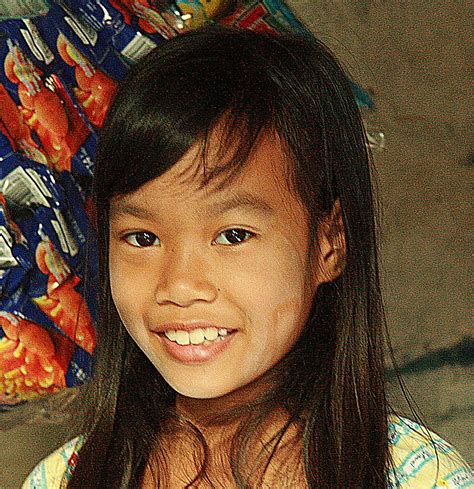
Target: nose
x=184 y=279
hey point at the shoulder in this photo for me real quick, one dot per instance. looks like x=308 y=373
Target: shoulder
x=49 y=473
x=422 y=459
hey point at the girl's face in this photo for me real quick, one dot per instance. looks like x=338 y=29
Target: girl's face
x=214 y=285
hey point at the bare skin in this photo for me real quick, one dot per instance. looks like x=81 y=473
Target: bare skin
x=285 y=470
x=237 y=258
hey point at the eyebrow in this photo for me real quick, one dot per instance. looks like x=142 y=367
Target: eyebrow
x=239 y=200
x=123 y=208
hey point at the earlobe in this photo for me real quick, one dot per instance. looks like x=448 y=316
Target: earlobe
x=331 y=243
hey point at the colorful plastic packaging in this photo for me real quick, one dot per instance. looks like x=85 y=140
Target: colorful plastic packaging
x=199 y=12
x=46 y=325
x=111 y=31
x=265 y=16
x=144 y=17
x=42 y=120
x=93 y=42
x=90 y=88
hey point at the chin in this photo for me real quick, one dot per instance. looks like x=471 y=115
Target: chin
x=194 y=390
x=200 y=392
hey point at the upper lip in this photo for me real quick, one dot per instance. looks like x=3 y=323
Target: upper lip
x=187 y=326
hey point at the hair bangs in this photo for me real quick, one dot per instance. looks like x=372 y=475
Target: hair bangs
x=226 y=147
x=146 y=132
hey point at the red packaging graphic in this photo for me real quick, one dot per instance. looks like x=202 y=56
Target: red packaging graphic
x=33 y=361
x=102 y=35
x=271 y=16
x=94 y=90
x=54 y=54
x=149 y=19
x=61 y=302
x=45 y=321
x=38 y=113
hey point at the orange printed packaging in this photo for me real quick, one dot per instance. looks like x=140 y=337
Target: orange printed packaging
x=140 y=16
x=83 y=62
x=167 y=18
x=86 y=35
x=40 y=117
x=272 y=16
x=101 y=33
x=47 y=330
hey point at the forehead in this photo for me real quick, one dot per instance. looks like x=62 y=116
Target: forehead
x=263 y=176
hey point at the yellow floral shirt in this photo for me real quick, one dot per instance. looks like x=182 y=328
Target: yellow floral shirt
x=416 y=463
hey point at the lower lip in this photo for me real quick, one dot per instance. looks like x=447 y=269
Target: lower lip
x=195 y=354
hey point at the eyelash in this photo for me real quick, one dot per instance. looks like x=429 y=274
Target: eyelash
x=242 y=239
x=248 y=235
x=127 y=237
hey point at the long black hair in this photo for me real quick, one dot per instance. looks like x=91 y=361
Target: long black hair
x=332 y=381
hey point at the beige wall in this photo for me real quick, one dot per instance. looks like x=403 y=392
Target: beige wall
x=415 y=55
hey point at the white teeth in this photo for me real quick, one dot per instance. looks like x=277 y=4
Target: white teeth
x=197 y=336
x=182 y=337
x=211 y=334
x=171 y=334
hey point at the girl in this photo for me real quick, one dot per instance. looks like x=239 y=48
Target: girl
x=241 y=325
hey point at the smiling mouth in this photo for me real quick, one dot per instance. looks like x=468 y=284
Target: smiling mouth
x=197 y=345
x=197 y=336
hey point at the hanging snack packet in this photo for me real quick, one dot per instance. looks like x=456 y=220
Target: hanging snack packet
x=46 y=321
x=166 y=19
x=271 y=16
x=35 y=357
x=33 y=360
x=36 y=208
x=26 y=35
x=110 y=30
x=40 y=116
x=144 y=17
x=51 y=51
x=92 y=89
x=88 y=39
x=97 y=88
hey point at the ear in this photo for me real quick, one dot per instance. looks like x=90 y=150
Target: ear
x=331 y=243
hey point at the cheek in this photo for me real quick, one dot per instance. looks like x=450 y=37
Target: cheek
x=278 y=290
x=275 y=331
x=276 y=303
x=128 y=291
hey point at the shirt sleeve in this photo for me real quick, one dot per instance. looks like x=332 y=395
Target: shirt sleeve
x=50 y=472
x=421 y=459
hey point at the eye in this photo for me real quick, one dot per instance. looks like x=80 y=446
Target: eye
x=233 y=236
x=142 y=239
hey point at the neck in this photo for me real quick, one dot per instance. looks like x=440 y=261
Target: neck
x=214 y=414
x=228 y=409
x=219 y=420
